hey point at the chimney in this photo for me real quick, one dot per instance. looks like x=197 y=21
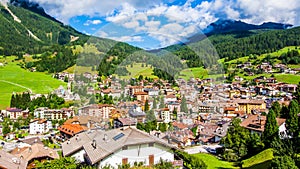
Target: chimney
x=68 y=141
x=105 y=137
x=94 y=144
x=30 y=149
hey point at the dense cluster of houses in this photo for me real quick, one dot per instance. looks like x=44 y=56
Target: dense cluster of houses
x=199 y=112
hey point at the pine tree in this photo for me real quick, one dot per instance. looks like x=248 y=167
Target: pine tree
x=276 y=108
x=13 y=101
x=146 y=106
x=292 y=119
x=271 y=129
x=161 y=103
x=183 y=105
x=154 y=103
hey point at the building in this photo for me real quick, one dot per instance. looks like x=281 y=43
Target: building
x=256 y=124
x=39 y=126
x=50 y=114
x=97 y=110
x=248 y=105
x=117 y=146
x=133 y=89
x=15 y=113
x=141 y=96
x=69 y=130
x=36 y=152
x=166 y=115
x=9 y=161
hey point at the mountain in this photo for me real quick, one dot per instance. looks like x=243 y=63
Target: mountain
x=225 y=26
x=232 y=39
x=25 y=27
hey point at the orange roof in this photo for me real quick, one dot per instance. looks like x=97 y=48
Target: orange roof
x=140 y=93
x=71 y=129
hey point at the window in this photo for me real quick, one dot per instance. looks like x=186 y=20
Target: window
x=124 y=160
x=125 y=148
x=151 y=144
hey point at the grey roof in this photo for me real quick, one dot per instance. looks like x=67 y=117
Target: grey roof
x=10 y=161
x=105 y=147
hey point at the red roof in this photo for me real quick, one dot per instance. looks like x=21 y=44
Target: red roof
x=71 y=129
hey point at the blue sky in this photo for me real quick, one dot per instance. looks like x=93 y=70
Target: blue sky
x=158 y=23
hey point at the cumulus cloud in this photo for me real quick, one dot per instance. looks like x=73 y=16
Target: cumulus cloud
x=93 y=22
x=171 y=23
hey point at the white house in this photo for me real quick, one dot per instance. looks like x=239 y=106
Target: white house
x=166 y=115
x=117 y=146
x=39 y=126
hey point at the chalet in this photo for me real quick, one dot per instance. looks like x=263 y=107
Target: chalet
x=124 y=122
x=36 y=152
x=256 y=124
x=117 y=146
x=10 y=161
x=50 y=114
x=166 y=115
x=15 y=113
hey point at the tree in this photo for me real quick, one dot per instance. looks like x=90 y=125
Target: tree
x=183 y=105
x=146 y=106
x=276 y=108
x=150 y=116
x=5 y=129
x=283 y=162
x=162 y=102
x=271 y=129
x=292 y=121
x=162 y=127
x=154 y=103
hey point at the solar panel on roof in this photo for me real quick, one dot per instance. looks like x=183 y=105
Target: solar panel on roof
x=118 y=136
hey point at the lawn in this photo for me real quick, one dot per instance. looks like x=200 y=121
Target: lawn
x=288 y=78
x=260 y=160
x=80 y=69
x=214 y=163
x=197 y=72
x=15 y=79
x=138 y=70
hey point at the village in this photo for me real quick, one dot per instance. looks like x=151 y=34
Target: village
x=146 y=116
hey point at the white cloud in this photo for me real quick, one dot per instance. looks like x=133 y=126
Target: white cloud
x=93 y=22
x=170 y=24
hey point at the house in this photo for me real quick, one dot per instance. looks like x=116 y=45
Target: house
x=166 y=115
x=123 y=122
x=97 y=110
x=133 y=89
x=50 y=114
x=15 y=113
x=117 y=146
x=9 y=161
x=141 y=96
x=35 y=152
x=256 y=124
x=170 y=98
x=248 y=105
x=70 y=130
x=137 y=113
x=39 y=126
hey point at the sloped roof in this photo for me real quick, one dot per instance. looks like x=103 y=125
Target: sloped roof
x=107 y=142
x=36 y=151
x=10 y=161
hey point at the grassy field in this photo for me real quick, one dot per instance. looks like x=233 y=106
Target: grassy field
x=213 y=163
x=15 y=79
x=198 y=72
x=288 y=78
x=260 y=160
x=80 y=69
x=138 y=70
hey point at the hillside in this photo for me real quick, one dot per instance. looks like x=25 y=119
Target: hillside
x=235 y=43
x=23 y=30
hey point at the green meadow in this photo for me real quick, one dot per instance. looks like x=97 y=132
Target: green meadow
x=15 y=79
